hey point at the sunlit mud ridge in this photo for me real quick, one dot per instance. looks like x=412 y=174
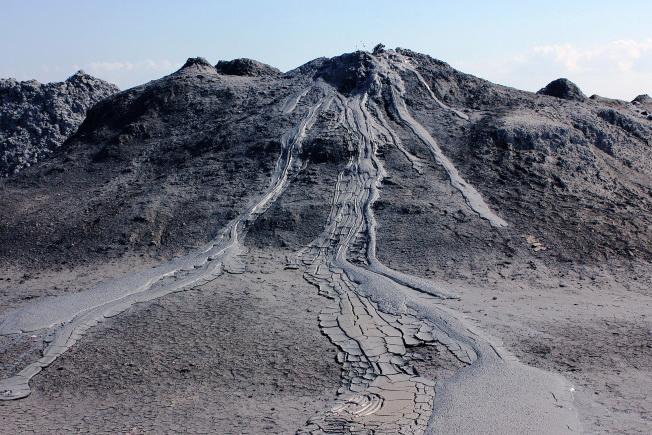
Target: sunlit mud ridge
x=381 y=313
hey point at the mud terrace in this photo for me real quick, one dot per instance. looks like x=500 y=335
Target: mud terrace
x=373 y=243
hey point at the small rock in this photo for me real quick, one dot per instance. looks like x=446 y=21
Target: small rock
x=564 y=89
x=378 y=49
x=535 y=243
x=246 y=67
x=642 y=99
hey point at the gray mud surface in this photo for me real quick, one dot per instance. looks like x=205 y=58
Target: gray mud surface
x=240 y=355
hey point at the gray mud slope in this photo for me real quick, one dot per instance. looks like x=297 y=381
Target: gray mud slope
x=195 y=145
x=36 y=118
x=163 y=166
x=363 y=174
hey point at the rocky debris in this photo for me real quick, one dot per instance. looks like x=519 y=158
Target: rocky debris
x=535 y=243
x=612 y=102
x=347 y=72
x=36 y=118
x=197 y=61
x=378 y=49
x=627 y=123
x=563 y=88
x=246 y=67
x=197 y=64
x=643 y=99
x=643 y=104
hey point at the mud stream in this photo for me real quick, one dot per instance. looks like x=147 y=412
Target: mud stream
x=383 y=314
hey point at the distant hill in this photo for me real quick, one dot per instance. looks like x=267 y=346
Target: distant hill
x=36 y=118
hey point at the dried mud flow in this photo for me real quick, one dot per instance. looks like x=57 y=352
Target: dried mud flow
x=372 y=243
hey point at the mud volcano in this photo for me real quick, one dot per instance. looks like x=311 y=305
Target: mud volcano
x=372 y=243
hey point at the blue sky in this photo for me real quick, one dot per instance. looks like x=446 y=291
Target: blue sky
x=604 y=46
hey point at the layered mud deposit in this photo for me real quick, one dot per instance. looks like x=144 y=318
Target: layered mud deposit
x=341 y=133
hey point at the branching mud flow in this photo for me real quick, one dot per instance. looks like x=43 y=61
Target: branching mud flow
x=382 y=314
x=68 y=317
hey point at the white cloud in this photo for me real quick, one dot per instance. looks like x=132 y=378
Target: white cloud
x=129 y=73
x=618 y=56
x=145 y=65
x=617 y=69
